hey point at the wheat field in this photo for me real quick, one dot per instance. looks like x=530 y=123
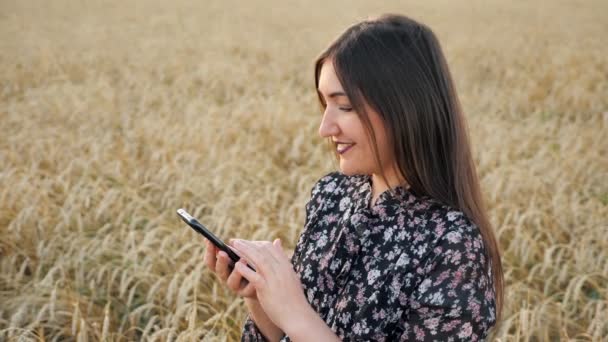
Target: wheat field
x=114 y=114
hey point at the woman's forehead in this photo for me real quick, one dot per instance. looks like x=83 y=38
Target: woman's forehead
x=329 y=84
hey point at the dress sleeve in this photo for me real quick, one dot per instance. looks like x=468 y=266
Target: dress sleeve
x=455 y=300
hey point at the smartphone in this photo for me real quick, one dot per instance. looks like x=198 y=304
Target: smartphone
x=199 y=228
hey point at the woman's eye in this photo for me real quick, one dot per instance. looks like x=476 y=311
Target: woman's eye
x=346 y=109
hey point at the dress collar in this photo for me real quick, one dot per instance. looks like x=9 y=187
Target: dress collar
x=389 y=205
x=399 y=196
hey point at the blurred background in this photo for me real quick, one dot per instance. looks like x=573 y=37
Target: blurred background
x=113 y=114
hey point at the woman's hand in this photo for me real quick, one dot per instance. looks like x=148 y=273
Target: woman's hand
x=220 y=263
x=277 y=285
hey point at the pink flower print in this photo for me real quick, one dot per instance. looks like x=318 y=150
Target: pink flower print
x=330 y=283
x=360 y=296
x=330 y=187
x=454 y=237
x=403 y=299
x=440 y=228
x=401 y=220
x=331 y=218
x=465 y=330
x=453 y=215
x=344 y=203
x=456 y=257
x=443 y=276
x=382 y=314
x=474 y=306
x=381 y=212
x=419 y=333
x=341 y=304
x=471 y=256
x=450 y=325
x=372 y=276
x=432 y=324
x=457 y=277
x=323 y=263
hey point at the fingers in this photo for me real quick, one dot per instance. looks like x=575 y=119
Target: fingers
x=235 y=251
x=234 y=281
x=220 y=263
x=222 y=266
x=240 y=285
x=210 y=255
x=217 y=261
x=253 y=277
x=248 y=290
x=260 y=254
x=274 y=249
x=265 y=256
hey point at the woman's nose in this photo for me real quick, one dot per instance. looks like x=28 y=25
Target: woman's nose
x=328 y=127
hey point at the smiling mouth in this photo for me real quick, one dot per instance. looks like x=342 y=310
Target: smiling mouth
x=342 y=148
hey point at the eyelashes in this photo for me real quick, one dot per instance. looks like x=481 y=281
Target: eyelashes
x=323 y=106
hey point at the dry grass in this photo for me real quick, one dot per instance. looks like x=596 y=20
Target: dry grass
x=113 y=114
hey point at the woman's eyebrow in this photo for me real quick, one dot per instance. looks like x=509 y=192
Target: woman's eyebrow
x=333 y=94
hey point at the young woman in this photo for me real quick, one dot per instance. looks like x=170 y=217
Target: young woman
x=397 y=244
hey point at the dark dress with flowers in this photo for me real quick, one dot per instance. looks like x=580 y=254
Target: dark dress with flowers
x=408 y=269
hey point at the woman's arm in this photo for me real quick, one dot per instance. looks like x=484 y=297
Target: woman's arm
x=270 y=331
x=311 y=328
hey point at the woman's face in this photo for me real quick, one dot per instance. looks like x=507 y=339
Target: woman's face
x=343 y=126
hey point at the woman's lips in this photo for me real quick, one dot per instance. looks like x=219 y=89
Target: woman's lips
x=343 y=148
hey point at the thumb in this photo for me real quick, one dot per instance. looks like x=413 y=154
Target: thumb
x=277 y=243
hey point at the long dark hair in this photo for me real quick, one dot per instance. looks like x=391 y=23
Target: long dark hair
x=396 y=66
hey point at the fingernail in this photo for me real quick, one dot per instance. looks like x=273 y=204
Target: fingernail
x=237 y=242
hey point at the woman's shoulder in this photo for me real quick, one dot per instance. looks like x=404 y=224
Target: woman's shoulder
x=327 y=183
x=333 y=186
x=334 y=183
x=435 y=228
x=439 y=219
x=329 y=190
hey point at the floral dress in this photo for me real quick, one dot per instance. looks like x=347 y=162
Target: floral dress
x=408 y=269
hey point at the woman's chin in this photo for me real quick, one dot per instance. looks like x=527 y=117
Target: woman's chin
x=348 y=170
